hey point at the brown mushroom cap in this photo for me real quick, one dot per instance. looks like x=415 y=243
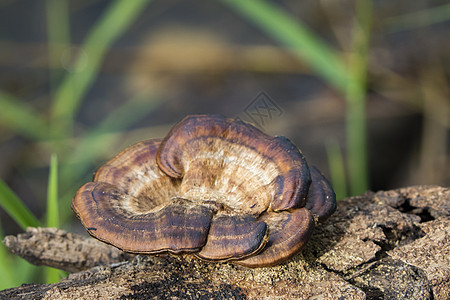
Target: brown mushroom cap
x=134 y=206
x=135 y=172
x=231 y=153
x=321 y=200
x=180 y=226
x=234 y=237
x=214 y=186
x=289 y=232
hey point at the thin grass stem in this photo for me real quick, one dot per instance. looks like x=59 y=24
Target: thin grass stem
x=115 y=21
x=337 y=169
x=356 y=100
x=15 y=208
x=52 y=194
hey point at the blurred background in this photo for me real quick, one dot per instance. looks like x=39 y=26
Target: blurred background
x=361 y=87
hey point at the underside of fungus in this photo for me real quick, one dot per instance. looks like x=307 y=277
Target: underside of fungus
x=215 y=187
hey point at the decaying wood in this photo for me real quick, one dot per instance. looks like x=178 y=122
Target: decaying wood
x=62 y=250
x=391 y=245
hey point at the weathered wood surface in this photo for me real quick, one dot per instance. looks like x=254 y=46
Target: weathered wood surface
x=385 y=245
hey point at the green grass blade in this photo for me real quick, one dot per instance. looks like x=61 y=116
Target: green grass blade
x=356 y=100
x=15 y=208
x=58 y=32
x=52 y=194
x=25 y=271
x=7 y=278
x=419 y=19
x=52 y=275
x=337 y=169
x=21 y=118
x=296 y=37
x=116 y=20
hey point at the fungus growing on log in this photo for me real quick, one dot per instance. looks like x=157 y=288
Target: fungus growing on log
x=215 y=187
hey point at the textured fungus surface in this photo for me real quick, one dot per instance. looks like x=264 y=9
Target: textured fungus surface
x=215 y=187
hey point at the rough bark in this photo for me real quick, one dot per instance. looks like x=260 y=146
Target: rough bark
x=385 y=245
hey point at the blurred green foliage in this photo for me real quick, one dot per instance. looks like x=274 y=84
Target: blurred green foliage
x=58 y=127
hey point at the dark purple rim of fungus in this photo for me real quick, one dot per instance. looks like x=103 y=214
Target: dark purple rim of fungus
x=215 y=187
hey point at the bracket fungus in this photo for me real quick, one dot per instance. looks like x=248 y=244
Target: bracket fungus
x=215 y=187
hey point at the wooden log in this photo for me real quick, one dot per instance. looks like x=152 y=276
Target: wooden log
x=385 y=245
